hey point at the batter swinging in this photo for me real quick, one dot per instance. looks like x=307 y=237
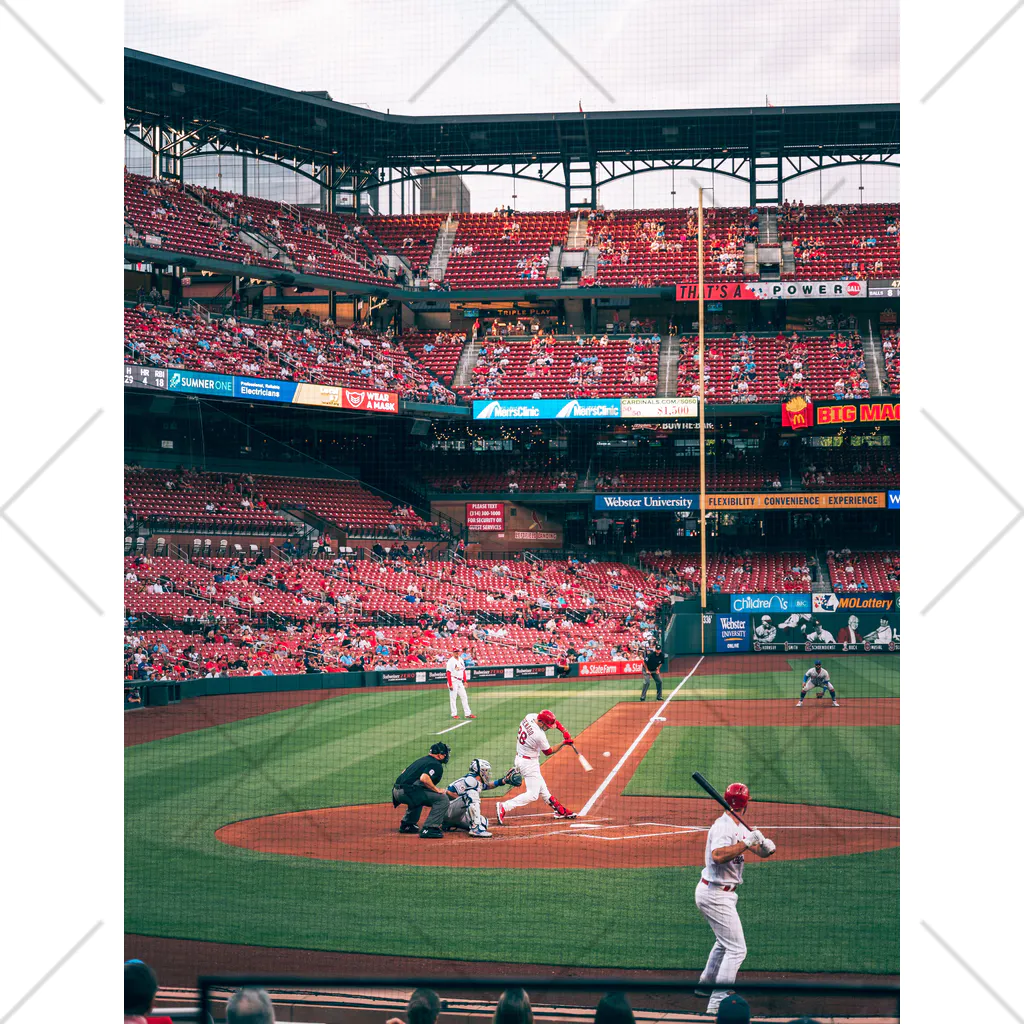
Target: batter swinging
x=531 y=742
x=728 y=840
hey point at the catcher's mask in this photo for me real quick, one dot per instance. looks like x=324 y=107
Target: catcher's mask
x=481 y=769
x=443 y=749
x=737 y=796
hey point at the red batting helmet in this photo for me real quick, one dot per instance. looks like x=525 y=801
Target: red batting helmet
x=737 y=796
x=546 y=718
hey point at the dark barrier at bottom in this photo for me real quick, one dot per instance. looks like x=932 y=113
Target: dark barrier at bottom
x=336 y=1000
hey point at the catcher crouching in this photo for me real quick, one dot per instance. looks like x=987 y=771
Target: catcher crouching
x=464 y=810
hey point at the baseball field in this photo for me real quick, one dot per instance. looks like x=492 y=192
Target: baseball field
x=266 y=820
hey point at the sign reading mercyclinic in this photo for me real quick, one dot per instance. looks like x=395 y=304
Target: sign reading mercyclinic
x=548 y=409
x=784 y=603
x=645 y=502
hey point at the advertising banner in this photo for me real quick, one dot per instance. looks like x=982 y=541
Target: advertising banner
x=771 y=603
x=145 y=377
x=798 y=413
x=893 y=499
x=534 y=535
x=264 y=390
x=658 y=408
x=808 y=289
x=732 y=633
x=724 y=291
x=645 y=502
x=214 y=384
x=548 y=409
x=858 y=601
x=868 y=631
x=485 y=516
x=369 y=401
x=611 y=668
x=782 y=500
x=844 y=413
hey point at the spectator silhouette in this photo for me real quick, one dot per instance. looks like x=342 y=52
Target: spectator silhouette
x=614 y=1008
x=250 y=1006
x=423 y=1008
x=140 y=987
x=734 y=1010
x=513 y=1008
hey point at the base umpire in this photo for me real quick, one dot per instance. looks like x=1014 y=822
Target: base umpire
x=653 y=660
x=417 y=788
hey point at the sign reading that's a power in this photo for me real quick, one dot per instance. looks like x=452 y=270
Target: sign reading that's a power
x=838 y=414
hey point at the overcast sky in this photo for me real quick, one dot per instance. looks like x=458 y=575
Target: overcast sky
x=622 y=54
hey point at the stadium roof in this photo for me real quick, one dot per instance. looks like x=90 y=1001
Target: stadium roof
x=284 y=124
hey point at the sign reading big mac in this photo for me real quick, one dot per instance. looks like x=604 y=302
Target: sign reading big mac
x=839 y=414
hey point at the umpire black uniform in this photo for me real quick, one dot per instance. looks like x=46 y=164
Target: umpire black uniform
x=653 y=660
x=411 y=790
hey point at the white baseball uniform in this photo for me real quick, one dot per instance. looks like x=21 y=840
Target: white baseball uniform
x=716 y=899
x=820 y=636
x=813 y=677
x=766 y=632
x=456 y=669
x=882 y=635
x=531 y=742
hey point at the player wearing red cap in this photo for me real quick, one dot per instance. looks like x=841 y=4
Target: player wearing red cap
x=531 y=742
x=728 y=840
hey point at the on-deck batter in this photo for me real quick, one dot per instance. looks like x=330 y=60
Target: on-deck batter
x=455 y=668
x=531 y=742
x=716 y=897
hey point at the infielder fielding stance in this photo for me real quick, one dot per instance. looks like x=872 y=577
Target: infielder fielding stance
x=455 y=668
x=464 y=810
x=531 y=742
x=817 y=677
x=728 y=840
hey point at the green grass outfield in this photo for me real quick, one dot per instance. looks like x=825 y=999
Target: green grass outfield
x=838 y=914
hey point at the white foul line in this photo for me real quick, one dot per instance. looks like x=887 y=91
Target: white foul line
x=643 y=732
x=459 y=726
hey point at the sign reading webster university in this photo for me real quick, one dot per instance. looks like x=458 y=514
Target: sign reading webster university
x=781 y=499
x=842 y=413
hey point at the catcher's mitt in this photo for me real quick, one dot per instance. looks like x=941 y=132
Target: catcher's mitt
x=513 y=777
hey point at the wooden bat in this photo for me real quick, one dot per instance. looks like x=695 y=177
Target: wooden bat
x=584 y=763
x=705 y=785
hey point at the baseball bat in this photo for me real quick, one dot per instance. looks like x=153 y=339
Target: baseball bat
x=705 y=785
x=584 y=763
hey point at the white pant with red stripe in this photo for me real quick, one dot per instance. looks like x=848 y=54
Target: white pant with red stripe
x=730 y=948
x=458 y=689
x=536 y=787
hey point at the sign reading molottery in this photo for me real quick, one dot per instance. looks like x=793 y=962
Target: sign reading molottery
x=861 y=601
x=645 y=502
x=485 y=516
x=611 y=668
x=779 y=499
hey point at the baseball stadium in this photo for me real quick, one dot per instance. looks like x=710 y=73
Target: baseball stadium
x=511 y=564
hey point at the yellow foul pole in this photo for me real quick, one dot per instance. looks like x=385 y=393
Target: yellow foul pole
x=700 y=411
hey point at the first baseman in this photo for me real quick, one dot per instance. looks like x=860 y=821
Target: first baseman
x=728 y=840
x=455 y=669
x=531 y=742
x=817 y=676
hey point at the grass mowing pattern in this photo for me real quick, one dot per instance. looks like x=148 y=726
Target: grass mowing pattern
x=837 y=914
